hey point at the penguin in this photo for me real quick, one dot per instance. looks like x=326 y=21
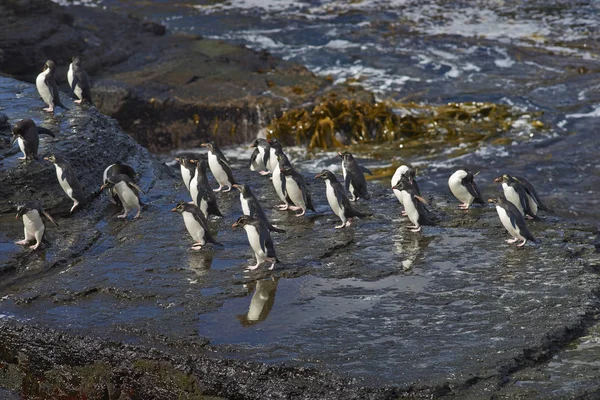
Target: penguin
x=531 y=194
x=26 y=132
x=354 y=177
x=219 y=167
x=33 y=222
x=47 y=88
x=410 y=174
x=413 y=204
x=261 y=303
x=296 y=190
x=196 y=224
x=259 y=160
x=513 y=221
x=114 y=170
x=187 y=169
x=79 y=81
x=275 y=147
x=338 y=201
x=202 y=195
x=259 y=239
x=516 y=194
x=252 y=208
x=128 y=192
x=281 y=160
x=463 y=187
x=68 y=180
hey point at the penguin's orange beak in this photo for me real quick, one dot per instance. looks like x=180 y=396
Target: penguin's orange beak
x=498 y=179
x=174 y=209
x=46 y=158
x=103 y=186
x=203 y=144
x=178 y=160
x=317 y=176
x=340 y=154
x=235 y=225
x=17 y=217
x=193 y=161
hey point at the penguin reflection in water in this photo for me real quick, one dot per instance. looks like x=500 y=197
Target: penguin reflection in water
x=512 y=220
x=128 y=192
x=26 y=133
x=196 y=224
x=259 y=239
x=413 y=204
x=68 y=179
x=33 y=222
x=261 y=303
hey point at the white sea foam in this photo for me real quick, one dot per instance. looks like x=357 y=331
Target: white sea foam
x=592 y=114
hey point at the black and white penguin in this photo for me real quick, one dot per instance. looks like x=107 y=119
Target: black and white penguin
x=114 y=170
x=338 y=201
x=275 y=147
x=516 y=194
x=187 y=169
x=219 y=167
x=47 y=88
x=512 y=220
x=261 y=155
x=354 y=177
x=252 y=208
x=259 y=239
x=261 y=303
x=413 y=204
x=128 y=192
x=532 y=194
x=196 y=224
x=202 y=194
x=26 y=133
x=281 y=160
x=463 y=187
x=33 y=222
x=296 y=191
x=410 y=173
x=68 y=179
x=79 y=81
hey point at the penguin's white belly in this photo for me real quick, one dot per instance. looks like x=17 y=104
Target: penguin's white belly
x=187 y=176
x=63 y=182
x=33 y=224
x=254 y=240
x=505 y=219
x=459 y=191
x=127 y=196
x=273 y=162
x=294 y=192
x=277 y=184
x=512 y=196
x=43 y=89
x=399 y=196
x=409 y=207
x=22 y=145
x=194 y=228
x=218 y=171
x=532 y=205
x=245 y=205
x=105 y=174
x=259 y=163
x=333 y=201
x=396 y=178
x=70 y=75
x=193 y=188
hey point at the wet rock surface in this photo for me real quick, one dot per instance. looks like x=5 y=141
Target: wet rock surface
x=123 y=308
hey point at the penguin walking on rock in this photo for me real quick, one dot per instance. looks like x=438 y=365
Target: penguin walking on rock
x=296 y=191
x=196 y=224
x=410 y=173
x=259 y=239
x=26 y=133
x=128 y=192
x=517 y=195
x=68 y=180
x=202 y=194
x=219 y=167
x=259 y=161
x=534 y=199
x=188 y=169
x=278 y=179
x=114 y=170
x=354 y=177
x=47 y=88
x=338 y=201
x=252 y=208
x=512 y=220
x=463 y=187
x=79 y=81
x=413 y=205
x=33 y=222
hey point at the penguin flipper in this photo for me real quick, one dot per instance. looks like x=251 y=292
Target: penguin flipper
x=275 y=229
x=49 y=217
x=45 y=131
x=365 y=170
x=266 y=243
x=253 y=157
x=134 y=186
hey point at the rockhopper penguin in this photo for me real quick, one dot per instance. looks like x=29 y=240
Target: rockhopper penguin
x=68 y=179
x=128 y=192
x=413 y=205
x=252 y=208
x=338 y=201
x=202 y=194
x=463 y=187
x=47 y=88
x=196 y=224
x=296 y=190
x=354 y=177
x=79 y=81
x=33 y=222
x=259 y=161
x=512 y=220
x=219 y=167
x=26 y=133
x=259 y=239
